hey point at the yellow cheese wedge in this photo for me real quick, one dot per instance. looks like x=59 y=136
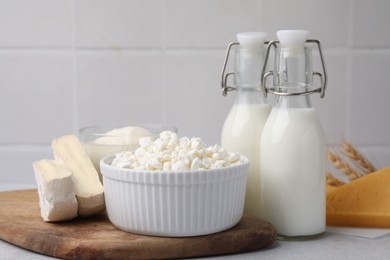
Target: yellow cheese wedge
x=364 y=202
x=330 y=188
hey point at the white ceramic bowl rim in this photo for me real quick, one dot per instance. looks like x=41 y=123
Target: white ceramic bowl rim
x=172 y=177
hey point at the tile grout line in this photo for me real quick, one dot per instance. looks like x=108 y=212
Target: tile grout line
x=74 y=68
x=163 y=64
x=164 y=49
x=348 y=79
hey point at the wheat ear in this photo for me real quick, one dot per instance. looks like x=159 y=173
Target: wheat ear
x=332 y=181
x=343 y=166
x=361 y=162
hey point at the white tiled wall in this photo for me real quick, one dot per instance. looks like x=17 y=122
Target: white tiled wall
x=66 y=64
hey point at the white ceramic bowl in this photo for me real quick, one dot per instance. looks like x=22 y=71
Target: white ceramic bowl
x=174 y=204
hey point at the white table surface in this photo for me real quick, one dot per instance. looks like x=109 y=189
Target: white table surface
x=329 y=246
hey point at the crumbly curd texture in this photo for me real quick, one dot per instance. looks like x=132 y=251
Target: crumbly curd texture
x=171 y=153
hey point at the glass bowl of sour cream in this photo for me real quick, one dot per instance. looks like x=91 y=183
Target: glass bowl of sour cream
x=102 y=140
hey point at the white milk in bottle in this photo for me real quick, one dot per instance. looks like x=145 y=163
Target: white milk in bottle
x=292 y=159
x=244 y=124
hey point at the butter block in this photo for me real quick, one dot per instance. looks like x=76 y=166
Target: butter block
x=56 y=190
x=364 y=202
x=89 y=190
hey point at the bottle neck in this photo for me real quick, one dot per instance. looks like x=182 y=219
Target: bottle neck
x=294 y=75
x=248 y=66
x=247 y=75
x=293 y=101
x=249 y=95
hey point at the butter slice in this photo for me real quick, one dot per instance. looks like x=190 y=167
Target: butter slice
x=89 y=191
x=56 y=191
x=364 y=202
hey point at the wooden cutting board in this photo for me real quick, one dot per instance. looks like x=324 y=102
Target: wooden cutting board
x=97 y=238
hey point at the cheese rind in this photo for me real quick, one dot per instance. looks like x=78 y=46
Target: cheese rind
x=89 y=191
x=56 y=190
x=363 y=202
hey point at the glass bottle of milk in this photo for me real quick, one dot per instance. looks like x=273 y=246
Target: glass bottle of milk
x=292 y=158
x=244 y=124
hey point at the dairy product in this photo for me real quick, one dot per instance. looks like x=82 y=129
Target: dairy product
x=244 y=124
x=128 y=136
x=98 y=151
x=56 y=190
x=89 y=191
x=114 y=141
x=241 y=133
x=363 y=202
x=171 y=153
x=292 y=166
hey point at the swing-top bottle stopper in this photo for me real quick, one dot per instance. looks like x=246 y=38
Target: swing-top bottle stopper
x=250 y=44
x=293 y=44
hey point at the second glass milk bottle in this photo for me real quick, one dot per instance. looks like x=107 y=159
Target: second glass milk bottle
x=244 y=124
x=292 y=158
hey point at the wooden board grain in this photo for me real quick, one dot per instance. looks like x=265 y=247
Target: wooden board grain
x=97 y=238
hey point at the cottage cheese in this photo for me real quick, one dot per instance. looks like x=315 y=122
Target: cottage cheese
x=171 y=153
